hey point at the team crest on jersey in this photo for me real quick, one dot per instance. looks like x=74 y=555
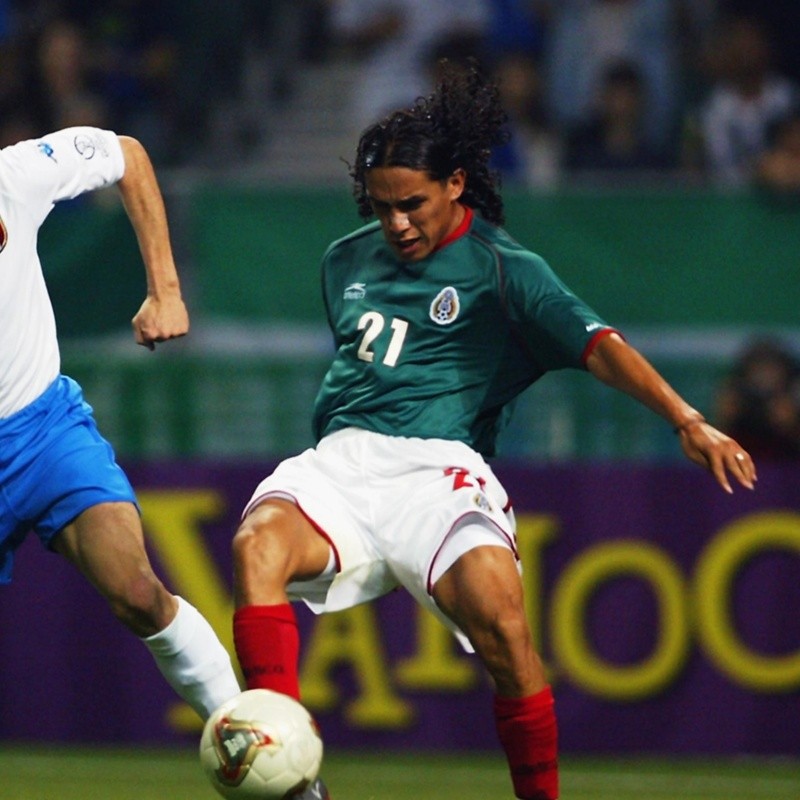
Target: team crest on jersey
x=445 y=306
x=3 y=235
x=355 y=291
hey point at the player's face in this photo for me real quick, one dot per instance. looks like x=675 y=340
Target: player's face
x=415 y=212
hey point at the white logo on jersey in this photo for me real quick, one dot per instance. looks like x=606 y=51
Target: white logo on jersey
x=355 y=291
x=593 y=326
x=482 y=502
x=445 y=306
x=88 y=145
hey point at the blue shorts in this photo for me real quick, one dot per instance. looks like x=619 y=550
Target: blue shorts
x=54 y=464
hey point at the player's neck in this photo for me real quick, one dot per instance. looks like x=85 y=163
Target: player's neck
x=462 y=226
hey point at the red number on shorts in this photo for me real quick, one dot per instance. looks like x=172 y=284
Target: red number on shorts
x=462 y=478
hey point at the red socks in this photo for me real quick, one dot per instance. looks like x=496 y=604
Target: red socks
x=528 y=732
x=268 y=645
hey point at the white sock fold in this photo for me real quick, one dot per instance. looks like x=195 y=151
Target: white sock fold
x=192 y=659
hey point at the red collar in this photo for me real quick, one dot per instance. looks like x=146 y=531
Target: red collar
x=462 y=228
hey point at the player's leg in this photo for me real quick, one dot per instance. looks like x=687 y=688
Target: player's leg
x=106 y=543
x=482 y=593
x=274 y=545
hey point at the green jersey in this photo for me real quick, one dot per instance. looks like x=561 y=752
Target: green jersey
x=441 y=347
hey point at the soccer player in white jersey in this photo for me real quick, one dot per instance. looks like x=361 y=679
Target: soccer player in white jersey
x=58 y=476
x=439 y=320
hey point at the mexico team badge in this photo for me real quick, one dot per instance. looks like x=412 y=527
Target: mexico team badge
x=445 y=306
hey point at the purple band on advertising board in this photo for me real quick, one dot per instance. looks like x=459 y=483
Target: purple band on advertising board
x=666 y=612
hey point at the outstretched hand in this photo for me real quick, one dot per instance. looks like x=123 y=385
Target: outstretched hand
x=160 y=319
x=721 y=455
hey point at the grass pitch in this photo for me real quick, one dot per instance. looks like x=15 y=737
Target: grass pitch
x=48 y=773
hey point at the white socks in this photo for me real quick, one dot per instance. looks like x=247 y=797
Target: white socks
x=193 y=660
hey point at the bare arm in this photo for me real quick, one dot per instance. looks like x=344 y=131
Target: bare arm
x=163 y=314
x=622 y=367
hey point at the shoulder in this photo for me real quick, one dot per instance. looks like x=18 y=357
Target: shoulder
x=80 y=143
x=366 y=236
x=508 y=253
x=66 y=162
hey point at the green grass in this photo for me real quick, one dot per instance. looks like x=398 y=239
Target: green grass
x=38 y=773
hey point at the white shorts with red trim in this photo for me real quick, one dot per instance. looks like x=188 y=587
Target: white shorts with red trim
x=397 y=512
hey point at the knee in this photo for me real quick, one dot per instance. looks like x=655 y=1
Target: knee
x=499 y=636
x=245 y=545
x=509 y=629
x=505 y=646
x=142 y=604
x=259 y=547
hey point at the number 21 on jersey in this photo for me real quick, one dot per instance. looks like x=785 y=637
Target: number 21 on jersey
x=373 y=323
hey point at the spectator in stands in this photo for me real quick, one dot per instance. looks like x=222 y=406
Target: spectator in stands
x=16 y=120
x=209 y=45
x=614 y=139
x=532 y=156
x=759 y=403
x=778 y=168
x=455 y=51
x=61 y=86
x=133 y=65
x=395 y=40
x=585 y=36
x=198 y=80
x=16 y=126
x=746 y=100
x=6 y=18
x=282 y=35
x=781 y=21
x=515 y=26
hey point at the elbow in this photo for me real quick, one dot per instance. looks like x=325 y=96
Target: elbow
x=133 y=152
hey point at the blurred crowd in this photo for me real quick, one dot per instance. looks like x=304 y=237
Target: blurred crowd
x=167 y=71
x=759 y=401
x=705 y=89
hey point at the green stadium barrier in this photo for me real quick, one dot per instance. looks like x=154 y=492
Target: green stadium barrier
x=694 y=270
x=639 y=257
x=223 y=406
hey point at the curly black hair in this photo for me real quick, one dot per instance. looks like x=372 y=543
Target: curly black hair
x=456 y=127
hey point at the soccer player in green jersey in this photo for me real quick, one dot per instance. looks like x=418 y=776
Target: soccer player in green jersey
x=440 y=320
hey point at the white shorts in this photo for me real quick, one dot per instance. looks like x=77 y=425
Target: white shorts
x=397 y=512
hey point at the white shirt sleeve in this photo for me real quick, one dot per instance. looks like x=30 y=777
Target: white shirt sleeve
x=62 y=165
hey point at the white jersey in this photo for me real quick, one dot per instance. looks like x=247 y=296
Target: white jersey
x=34 y=175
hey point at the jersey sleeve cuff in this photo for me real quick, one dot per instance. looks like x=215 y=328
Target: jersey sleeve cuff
x=593 y=342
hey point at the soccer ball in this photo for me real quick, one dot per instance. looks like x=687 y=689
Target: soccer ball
x=261 y=745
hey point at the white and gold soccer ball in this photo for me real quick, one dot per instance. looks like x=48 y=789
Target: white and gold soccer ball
x=261 y=745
